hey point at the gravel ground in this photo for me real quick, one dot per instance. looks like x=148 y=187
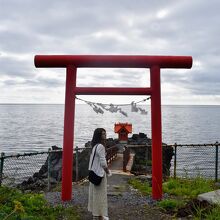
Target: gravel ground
x=124 y=203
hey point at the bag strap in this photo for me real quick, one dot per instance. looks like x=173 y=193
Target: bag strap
x=94 y=156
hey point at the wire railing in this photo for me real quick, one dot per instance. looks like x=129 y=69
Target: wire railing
x=196 y=160
x=44 y=168
x=191 y=160
x=188 y=160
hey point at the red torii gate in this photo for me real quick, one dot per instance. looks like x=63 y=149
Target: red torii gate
x=72 y=62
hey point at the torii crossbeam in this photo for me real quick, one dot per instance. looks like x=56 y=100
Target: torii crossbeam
x=72 y=62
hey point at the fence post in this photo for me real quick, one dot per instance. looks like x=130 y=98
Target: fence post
x=124 y=158
x=175 y=147
x=48 y=169
x=77 y=164
x=1 y=167
x=216 y=161
x=146 y=155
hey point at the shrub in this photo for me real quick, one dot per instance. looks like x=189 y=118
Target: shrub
x=188 y=188
x=214 y=214
x=170 y=204
x=15 y=205
x=144 y=188
x=181 y=192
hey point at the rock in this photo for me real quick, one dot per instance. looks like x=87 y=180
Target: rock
x=135 y=136
x=110 y=142
x=57 y=165
x=142 y=135
x=36 y=175
x=30 y=180
x=217 y=184
x=142 y=159
x=88 y=144
x=39 y=179
x=167 y=157
x=54 y=147
x=53 y=181
x=54 y=174
x=141 y=164
x=43 y=169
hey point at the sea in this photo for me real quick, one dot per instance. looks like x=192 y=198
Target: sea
x=28 y=128
x=37 y=127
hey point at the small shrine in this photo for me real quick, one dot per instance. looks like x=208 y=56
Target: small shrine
x=123 y=129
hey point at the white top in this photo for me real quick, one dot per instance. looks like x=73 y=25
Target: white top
x=99 y=162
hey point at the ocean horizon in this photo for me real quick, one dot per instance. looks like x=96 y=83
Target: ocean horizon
x=30 y=127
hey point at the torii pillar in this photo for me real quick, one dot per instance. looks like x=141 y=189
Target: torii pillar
x=72 y=62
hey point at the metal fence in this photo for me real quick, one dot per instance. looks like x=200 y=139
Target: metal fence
x=192 y=160
x=17 y=168
x=189 y=160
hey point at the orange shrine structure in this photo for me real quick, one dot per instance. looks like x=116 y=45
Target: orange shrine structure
x=73 y=62
x=123 y=129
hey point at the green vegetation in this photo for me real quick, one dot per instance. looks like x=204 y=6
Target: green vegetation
x=171 y=204
x=180 y=193
x=15 y=205
x=143 y=187
x=188 y=188
x=214 y=214
x=149 y=162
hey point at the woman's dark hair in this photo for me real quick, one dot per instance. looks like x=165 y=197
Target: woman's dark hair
x=97 y=136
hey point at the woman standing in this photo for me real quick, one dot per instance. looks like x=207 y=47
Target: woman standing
x=97 y=203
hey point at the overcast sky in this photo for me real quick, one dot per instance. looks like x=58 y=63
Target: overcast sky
x=143 y=27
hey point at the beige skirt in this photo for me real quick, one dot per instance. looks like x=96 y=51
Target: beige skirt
x=97 y=203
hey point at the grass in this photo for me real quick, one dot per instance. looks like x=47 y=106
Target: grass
x=188 y=188
x=214 y=214
x=171 y=204
x=180 y=192
x=15 y=205
x=142 y=187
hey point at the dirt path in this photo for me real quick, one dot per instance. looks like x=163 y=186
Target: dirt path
x=124 y=203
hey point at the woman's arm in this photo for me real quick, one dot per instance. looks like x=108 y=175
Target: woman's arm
x=101 y=153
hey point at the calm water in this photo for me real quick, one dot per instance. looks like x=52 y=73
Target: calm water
x=25 y=128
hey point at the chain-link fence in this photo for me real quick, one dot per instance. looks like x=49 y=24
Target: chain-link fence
x=41 y=170
x=38 y=170
x=25 y=168
x=180 y=160
x=17 y=168
x=191 y=160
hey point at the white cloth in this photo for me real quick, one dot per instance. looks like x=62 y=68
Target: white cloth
x=99 y=162
x=110 y=173
x=97 y=202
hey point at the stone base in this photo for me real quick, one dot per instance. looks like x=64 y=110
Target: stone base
x=212 y=197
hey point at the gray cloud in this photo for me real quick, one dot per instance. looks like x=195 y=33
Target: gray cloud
x=12 y=67
x=110 y=27
x=34 y=83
